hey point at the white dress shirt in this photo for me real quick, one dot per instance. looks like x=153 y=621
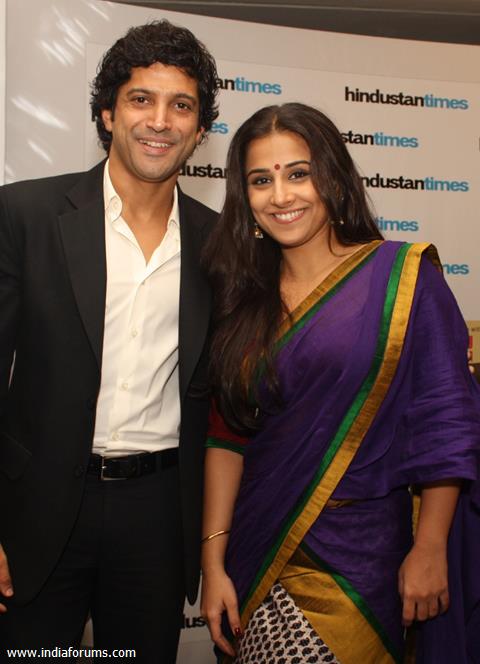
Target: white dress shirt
x=138 y=407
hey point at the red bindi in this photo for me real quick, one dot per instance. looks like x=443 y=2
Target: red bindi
x=277 y=167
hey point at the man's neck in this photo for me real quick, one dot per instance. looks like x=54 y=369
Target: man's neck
x=147 y=200
x=146 y=206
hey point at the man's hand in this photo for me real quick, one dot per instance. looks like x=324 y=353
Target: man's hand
x=5 y=581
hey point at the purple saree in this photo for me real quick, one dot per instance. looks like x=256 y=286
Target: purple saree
x=377 y=396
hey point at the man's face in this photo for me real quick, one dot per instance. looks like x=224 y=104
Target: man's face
x=154 y=124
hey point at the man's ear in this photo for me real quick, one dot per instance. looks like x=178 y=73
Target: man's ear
x=201 y=135
x=107 y=117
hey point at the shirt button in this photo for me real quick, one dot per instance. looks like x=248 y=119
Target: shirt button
x=125 y=386
x=115 y=435
x=79 y=470
x=134 y=332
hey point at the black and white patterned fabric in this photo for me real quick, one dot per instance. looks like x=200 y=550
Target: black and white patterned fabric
x=279 y=633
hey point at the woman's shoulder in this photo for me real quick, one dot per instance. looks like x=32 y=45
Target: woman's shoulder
x=420 y=247
x=415 y=253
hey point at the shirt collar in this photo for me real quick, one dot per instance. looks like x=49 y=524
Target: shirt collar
x=113 y=202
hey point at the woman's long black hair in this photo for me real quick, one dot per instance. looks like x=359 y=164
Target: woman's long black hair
x=245 y=271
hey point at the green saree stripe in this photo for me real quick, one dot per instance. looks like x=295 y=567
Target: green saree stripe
x=357 y=599
x=224 y=445
x=349 y=418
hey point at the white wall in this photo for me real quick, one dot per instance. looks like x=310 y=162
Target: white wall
x=52 y=56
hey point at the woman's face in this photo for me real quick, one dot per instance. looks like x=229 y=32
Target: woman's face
x=283 y=199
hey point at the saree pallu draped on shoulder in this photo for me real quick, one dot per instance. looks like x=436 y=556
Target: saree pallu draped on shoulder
x=351 y=366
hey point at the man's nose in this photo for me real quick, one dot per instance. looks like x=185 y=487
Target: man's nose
x=158 y=119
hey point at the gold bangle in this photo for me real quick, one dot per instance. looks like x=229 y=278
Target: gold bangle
x=209 y=537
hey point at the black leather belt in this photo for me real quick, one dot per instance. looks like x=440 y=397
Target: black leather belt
x=132 y=465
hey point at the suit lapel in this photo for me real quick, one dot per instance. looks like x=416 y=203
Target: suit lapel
x=83 y=235
x=195 y=295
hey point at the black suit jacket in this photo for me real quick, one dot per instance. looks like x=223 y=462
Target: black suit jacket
x=52 y=307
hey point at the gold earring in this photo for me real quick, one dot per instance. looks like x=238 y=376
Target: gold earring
x=257 y=231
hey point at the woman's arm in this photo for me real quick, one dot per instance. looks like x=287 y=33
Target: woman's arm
x=423 y=576
x=223 y=471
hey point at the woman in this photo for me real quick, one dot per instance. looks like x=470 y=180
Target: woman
x=340 y=360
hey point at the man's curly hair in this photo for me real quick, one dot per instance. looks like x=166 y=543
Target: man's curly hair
x=142 y=46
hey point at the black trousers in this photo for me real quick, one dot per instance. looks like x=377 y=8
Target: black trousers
x=123 y=564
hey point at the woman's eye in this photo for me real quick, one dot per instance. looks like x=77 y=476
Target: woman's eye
x=260 y=180
x=296 y=175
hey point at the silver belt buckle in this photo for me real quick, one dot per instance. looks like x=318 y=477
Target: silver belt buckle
x=102 y=476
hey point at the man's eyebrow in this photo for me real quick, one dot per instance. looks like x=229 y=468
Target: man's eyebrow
x=144 y=91
x=149 y=91
x=186 y=95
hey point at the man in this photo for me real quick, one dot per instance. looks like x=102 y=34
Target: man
x=104 y=307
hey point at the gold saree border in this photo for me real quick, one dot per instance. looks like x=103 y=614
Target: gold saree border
x=356 y=433
x=328 y=609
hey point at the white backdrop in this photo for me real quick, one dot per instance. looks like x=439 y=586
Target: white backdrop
x=418 y=148
x=52 y=57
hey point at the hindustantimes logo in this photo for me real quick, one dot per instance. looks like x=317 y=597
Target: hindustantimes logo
x=219 y=128
x=191 y=622
x=404 y=99
x=401 y=225
x=429 y=183
x=456 y=269
x=204 y=171
x=380 y=139
x=241 y=84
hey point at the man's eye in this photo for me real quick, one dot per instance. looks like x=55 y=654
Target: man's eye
x=182 y=106
x=140 y=100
